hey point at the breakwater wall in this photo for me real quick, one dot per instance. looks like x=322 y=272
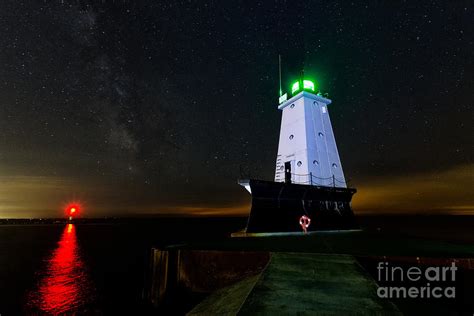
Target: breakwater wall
x=198 y=271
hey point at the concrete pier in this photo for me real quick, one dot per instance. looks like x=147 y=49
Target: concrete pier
x=315 y=284
x=320 y=273
x=302 y=284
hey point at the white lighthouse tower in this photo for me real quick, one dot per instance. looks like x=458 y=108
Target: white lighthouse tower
x=307 y=151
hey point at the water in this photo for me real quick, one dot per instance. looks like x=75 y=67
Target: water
x=89 y=268
x=64 y=285
x=100 y=268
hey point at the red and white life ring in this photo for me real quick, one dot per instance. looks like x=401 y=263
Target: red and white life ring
x=305 y=221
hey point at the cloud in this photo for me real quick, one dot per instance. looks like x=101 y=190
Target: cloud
x=32 y=196
x=202 y=210
x=436 y=192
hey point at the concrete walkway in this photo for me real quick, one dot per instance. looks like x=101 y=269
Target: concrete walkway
x=303 y=284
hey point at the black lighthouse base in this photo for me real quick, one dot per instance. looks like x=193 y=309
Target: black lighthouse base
x=278 y=207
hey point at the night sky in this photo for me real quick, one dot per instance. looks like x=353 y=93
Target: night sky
x=136 y=108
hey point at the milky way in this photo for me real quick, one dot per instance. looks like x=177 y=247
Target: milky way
x=160 y=107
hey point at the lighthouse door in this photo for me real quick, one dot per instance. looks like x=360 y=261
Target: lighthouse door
x=288 y=172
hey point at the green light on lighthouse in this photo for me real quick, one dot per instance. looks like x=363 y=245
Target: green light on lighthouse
x=295 y=87
x=302 y=85
x=308 y=85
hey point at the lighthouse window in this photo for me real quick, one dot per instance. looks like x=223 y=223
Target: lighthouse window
x=334 y=165
x=315 y=162
x=320 y=134
x=292 y=105
x=299 y=163
x=291 y=137
x=323 y=109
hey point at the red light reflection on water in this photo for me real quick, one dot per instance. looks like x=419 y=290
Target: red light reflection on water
x=64 y=286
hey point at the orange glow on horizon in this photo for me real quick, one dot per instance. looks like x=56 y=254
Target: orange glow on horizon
x=443 y=191
x=435 y=192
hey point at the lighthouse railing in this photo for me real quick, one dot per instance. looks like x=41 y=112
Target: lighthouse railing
x=311 y=179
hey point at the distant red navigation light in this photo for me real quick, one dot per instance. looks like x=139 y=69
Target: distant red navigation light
x=72 y=210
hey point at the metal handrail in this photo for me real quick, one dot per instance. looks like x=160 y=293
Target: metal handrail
x=333 y=179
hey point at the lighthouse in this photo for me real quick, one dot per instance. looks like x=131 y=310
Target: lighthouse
x=309 y=190
x=307 y=150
